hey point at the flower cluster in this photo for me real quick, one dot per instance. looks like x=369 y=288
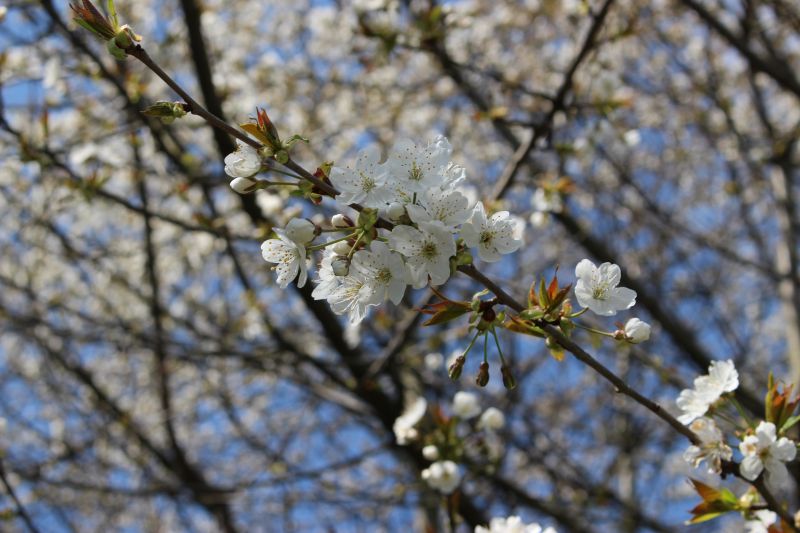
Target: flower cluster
x=722 y=377
x=512 y=524
x=469 y=436
x=443 y=476
x=432 y=219
x=761 y=447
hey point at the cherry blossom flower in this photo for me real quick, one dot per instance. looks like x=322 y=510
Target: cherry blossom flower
x=365 y=184
x=492 y=419
x=722 y=377
x=712 y=449
x=353 y=296
x=417 y=168
x=637 y=331
x=597 y=288
x=764 y=451
x=242 y=163
x=427 y=251
x=512 y=524
x=289 y=257
x=404 y=430
x=493 y=236
x=443 y=476
x=465 y=405
x=327 y=280
x=450 y=207
x=384 y=271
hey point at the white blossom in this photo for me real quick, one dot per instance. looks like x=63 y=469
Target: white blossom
x=722 y=377
x=427 y=251
x=493 y=236
x=450 y=207
x=418 y=168
x=712 y=448
x=353 y=296
x=764 y=451
x=404 y=430
x=465 y=405
x=454 y=176
x=492 y=419
x=512 y=524
x=365 y=184
x=327 y=280
x=597 y=288
x=384 y=272
x=434 y=361
x=430 y=452
x=243 y=162
x=637 y=331
x=443 y=476
x=289 y=257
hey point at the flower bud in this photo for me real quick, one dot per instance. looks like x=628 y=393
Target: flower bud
x=340 y=266
x=455 y=369
x=342 y=248
x=430 y=452
x=489 y=315
x=483 y=375
x=301 y=230
x=341 y=221
x=508 y=378
x=244 y=185
x=395 y=211
x=637 y=331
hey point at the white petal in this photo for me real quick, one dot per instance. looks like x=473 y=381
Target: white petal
x=623 y=298
x=751 y=467
x=585 y=270
x=784 y=450
x=610 y=273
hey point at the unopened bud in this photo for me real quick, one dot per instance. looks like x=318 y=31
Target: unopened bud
x=301 y=230
x=244 y=185
x=508 y=378
x=342 y=248
x=483 y=375
x=430 y=452
x=455 y=369
x=340 y=266
x=395 y=211
x=341 y=221
x=489 y=315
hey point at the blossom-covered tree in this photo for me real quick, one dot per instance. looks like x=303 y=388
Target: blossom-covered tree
x=225 y=223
